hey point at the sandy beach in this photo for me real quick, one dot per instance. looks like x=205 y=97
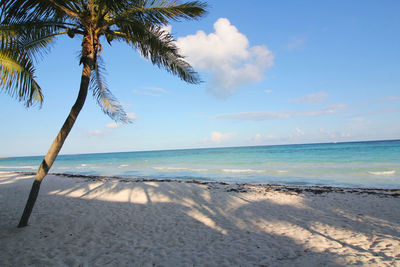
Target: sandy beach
x=117 y=222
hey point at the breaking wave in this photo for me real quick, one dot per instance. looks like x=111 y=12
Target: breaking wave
x=383 y=172
x=242 y=171
x=19 y=167
x=179 y=169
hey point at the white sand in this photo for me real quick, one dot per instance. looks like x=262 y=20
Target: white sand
x=81 y=222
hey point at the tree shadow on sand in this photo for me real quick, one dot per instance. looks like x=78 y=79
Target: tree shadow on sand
x=117 y=222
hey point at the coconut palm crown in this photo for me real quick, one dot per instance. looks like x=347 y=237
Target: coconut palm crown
x=29 y=27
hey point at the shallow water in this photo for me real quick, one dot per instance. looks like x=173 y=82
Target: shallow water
x=353 y=164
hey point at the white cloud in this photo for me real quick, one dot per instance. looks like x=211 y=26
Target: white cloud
x=328 y=133
x=217 y=137
x=96 y=133
x=378 y=112
x=296 y=42
x=358 y=123
x=131 y=116
x=334 y=135
x=125 y=105
x=150 y=91
x=137 y=92
x=113 y=125
x=260 y=138
x=390 y=98
x=299 y=135
x=156 y=89
x=270 y=115
x=227 y=56
x=299 y=132
x=268 y=91
x=316 y=98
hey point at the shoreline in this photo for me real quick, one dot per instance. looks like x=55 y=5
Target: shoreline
x=240 y=187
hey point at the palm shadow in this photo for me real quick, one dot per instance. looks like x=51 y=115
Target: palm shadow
x=119 y=222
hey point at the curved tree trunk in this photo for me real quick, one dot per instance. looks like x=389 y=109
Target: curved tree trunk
x=88 y=57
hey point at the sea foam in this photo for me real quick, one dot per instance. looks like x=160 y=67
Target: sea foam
x=179 y=169
x=383 y=172
x=18 y=167
x=123 y=165
x=242 y=171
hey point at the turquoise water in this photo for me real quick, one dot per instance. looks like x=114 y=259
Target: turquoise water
x=354 y=164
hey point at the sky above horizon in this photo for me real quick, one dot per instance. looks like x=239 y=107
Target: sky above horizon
x=274 y=72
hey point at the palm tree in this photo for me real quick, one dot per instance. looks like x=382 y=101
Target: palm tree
x=28 y=27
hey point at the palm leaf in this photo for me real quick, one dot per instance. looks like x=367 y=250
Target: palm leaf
x=105 y=99
x=158 y=46
x=17 y=76
x=31 y=10
x=162 y=11
x=35 y=41
x=18 y=48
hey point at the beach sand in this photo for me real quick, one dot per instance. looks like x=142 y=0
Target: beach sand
x=116 y=222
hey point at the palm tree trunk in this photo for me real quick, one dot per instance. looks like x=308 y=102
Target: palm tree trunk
x=59 y=140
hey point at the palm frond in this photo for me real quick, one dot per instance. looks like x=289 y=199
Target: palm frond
x=158 y=46
x=36 y=25
x=35 y=41
x=19 y=45
x=36 y=47
x=113 y=5
x=18 y=76
x=105 y=99
x=29 y=10
x=161 y=11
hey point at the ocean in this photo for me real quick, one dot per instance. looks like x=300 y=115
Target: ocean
x=354 y=164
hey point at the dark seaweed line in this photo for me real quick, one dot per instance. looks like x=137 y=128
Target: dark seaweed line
x=244 y=187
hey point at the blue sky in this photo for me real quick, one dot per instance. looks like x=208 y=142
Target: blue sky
x=274 y=72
